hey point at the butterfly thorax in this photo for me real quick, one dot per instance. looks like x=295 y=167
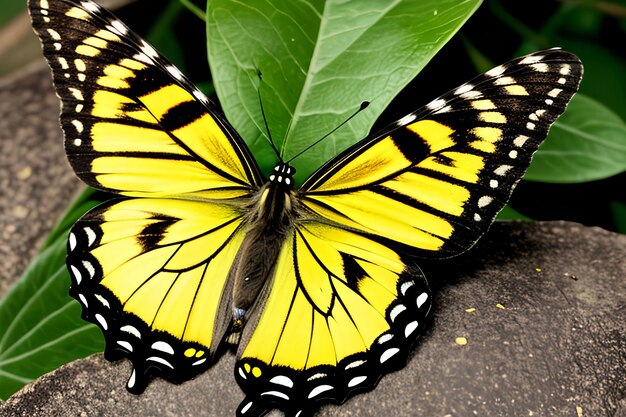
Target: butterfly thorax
x=269 y=220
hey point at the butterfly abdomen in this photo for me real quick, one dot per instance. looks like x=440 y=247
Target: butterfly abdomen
x=270 y=220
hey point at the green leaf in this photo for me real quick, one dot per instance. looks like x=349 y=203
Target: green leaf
x=588 y=142
x=319 y=60
x=40 y=324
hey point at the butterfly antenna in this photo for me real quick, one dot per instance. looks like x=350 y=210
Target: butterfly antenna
x=267 y=128
x=361 y=108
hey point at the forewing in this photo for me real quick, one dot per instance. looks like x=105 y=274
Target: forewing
x=431 y=184
x=152 y=274
x=133 y=123
x=342 y=310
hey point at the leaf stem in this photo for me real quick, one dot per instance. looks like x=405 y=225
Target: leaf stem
x=194 y=9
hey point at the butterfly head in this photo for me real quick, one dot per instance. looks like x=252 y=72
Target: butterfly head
x=283 y=174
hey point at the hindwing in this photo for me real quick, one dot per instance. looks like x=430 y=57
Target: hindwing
x=153 y=275
x=343 y=310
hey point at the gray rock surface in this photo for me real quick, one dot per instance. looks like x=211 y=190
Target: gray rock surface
x=36 y=181
x=555 y=346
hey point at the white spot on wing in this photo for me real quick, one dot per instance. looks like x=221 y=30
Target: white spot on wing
x=276 y=394
x=175 y=72
x=200 y=96
x=484 y=201
x=464 y=89
x=356 y=381
x=421 y=299
x=513 y=154
x=72 y=241
x=319 y=389
x=410 y=328
x=540 y=67
x=76 y=273
x=119 y=27
x=395 y=311
x=282 y=380
x=471 y=94
x=57 y=46
x=83 y=300
x=54 y=34
x=246 y=407
x=533 y=59
x=102 y=321
x=504 y=81
x=493 y=183
x=199 y=362
x=160 y=360
x=520 y=140
x=78 y=95
x=502 y=170
x=43 y=4
x=102 y=300
x=63 y=62
x=385 y=338
x=354 y=364
x=89 y=267
x=163 y=347
x=388 y=354
x=78 y=125
x=555 y=92
x=91 y=235
x=131 y=380
x=406 y=120
x=143 y=58
x=77 y=142
x=530 y=126
x=132 y=330
x=477 y=217
x=92 y=7
x=433 y=105
x=405 y=286
x=494 y=72
x=149 y=50
x=562 y=80
x=125 y=345
x=565 y=69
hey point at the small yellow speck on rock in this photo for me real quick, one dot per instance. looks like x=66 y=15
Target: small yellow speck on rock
x=461 y=341
x=579 y=411
x=500 y=306
x=470 y=310
x=537 y=269
x=25 y=173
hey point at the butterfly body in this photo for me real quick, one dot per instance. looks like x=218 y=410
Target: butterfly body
x=318 y=285
x=269 y=219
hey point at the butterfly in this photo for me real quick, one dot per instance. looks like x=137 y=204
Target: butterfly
x=318 y=286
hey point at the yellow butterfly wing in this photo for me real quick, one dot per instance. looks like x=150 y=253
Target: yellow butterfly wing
x=133 y=123
x=342 y=311
x=431 y=184
x=347 y=300
x=152 y=272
